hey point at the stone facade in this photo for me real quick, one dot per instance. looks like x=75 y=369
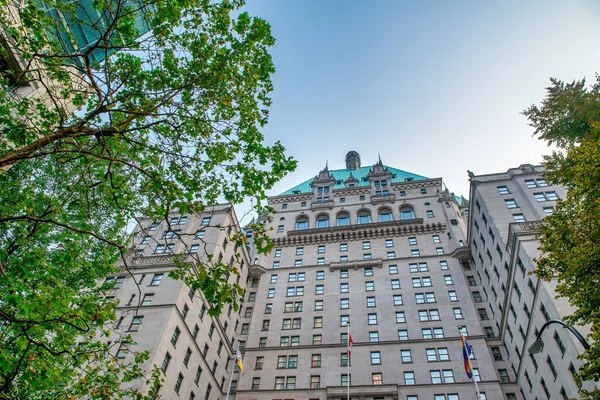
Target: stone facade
x=504 y=212
x=390 y=257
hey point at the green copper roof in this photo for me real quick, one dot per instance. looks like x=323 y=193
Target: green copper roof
x=341 y=175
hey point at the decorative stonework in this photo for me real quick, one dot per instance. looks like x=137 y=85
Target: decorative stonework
x=362 y=392
x=390 y=198
x=356 y=264
x=328 y=205
x=521 y=228
x=379 y=230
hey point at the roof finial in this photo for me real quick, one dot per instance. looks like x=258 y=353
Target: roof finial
x=326 y=165
x=379 y=155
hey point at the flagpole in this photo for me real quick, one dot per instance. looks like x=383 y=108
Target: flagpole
x=476 y=388
x=349 y=357
x=232 y=369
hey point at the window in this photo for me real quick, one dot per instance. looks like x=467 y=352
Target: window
x=367 y=256
x=280 y=229
x=409 y=378
x=375 y=358
x=165 y=363
x=295 y=291
x=321 y=249
x=374 y=336
x=248 y=312
x=317 y=339
x=439 y=250
x=457 y=313
x=369 y=286
x=368 y=271
x=315 y=361
x=202 y=311
x=342 y=219
x=343 y=259
x=519 y=217
x=420 y=267
x=343 y=246
x=395 y=283
x=346 y=380
x=301 y=223
x=393 y=269
x=406 y=213
x=344 y=303
x=256 y=383
x=452 y=295
x=319 y=289
x=147 y=299
x=279 y=383
x=415 y=253
x=364 y=217
x=559 y=343
x=186 y=358
x=483 y=314
x=315 y=381
x=421 y=282
x=175 y=336
x=511 y=203
x=271 y=293
x=322 y=221
x=389 y=243
x=178 y=383
x=391 y=255
x=412 y=241
x=436 y=239
x=372 y=319
x=371 y=302
x=135 y=323
x=317 y=322
x=448 y=280
x=156 y=279
x=377 y=378
x=268 y=308
x=318 y=305
x=430 y=214
x=503 y=190
x=400 y=317
x=402 y=334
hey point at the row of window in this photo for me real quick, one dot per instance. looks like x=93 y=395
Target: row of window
x=368 y=272
x=119 y=280
x=390 y=255
x=179 y=221
x=436 y=377
x=366 y=245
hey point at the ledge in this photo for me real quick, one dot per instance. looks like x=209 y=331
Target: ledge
x=356 y=264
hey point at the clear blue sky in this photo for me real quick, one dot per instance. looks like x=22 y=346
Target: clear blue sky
x=435 y=87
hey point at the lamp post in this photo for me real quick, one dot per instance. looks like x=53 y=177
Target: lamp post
x=538 y=345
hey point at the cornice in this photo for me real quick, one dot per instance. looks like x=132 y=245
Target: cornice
x=376 y=230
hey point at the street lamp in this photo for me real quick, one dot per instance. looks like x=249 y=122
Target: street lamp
x=538 y=345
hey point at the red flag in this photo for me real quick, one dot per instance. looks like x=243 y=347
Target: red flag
x=350 y=343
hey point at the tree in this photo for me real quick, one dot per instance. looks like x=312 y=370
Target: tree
x=569 y=117
x=95 y=135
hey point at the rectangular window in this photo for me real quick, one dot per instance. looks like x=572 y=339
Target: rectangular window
x=373 y=336
x=503 y=190
x=393 y=269
x=402 y=334
x=315 y=361
x=318 y=305
x=415 y=253
x=344 y=304
x=510 y=203
x=372 y=319
x=400 y=317
x=371 y=302
x=436 y=239
x=412 y=241
x=317 y=322
x=368 y=271
x=389 y=243
x=369 y=286
x=317 y=339
x=409 y=378
x=375 y=358
x=395 y=283
x=519 y=217
x=343 y=246
x=430 y=214
x=391 y=255
x=366 y=245
x=156 y=279
x=397 y=299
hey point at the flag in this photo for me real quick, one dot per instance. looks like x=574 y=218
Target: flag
x=466 y=350
x=238 y=360
x=350 y=343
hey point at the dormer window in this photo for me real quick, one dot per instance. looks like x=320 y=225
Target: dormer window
x=322 y=194
x=381 y=187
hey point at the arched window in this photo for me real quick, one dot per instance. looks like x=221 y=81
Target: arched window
x=385 y=214
x=301 y=223
x=323 y=221
x=342 y=219
x=364 y=217
x=407 y=212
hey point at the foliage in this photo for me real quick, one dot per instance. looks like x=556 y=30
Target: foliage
x=570 y=239
x=94 y=136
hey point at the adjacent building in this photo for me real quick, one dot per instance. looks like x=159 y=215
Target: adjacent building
x=504 y=212
x=193 y=349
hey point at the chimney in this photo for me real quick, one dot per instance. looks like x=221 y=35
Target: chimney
x=352 y=160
